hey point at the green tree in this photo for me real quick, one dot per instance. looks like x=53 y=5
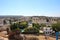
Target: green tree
x=23 y=25
x=37 y=26
x=56 y=27
x=14 y=26
x=20 y=25
x=43 y=25
x=31 y=30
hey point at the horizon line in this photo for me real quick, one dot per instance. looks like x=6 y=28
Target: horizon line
x=29 y=15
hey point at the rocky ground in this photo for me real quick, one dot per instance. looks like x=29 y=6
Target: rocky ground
x=31 y=37
x=3 y=35
x=28 y=37
x=41 y=37
x=2 y=38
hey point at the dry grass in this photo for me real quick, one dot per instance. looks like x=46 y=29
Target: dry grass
x=3 y=35
x=40 y=37
x=31 y=37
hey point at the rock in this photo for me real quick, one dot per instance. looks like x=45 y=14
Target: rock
x=1 y=38
x=4 y=32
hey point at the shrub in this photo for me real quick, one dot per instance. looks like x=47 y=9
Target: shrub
x=31 y=30
x=56 y=27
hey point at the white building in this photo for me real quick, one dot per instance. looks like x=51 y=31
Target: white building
x=47 y=30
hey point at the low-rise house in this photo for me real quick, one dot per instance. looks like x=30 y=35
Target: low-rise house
x=47 y=30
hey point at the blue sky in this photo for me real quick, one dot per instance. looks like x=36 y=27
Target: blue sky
x=30 y=7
